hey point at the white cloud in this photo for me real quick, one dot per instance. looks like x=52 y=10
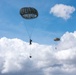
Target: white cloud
x=14 y=57
x=67 y=52
x=63 y=11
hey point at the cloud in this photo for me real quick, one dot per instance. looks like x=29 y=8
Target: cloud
x=67 y=53
x=62 y=11
x=14 y=57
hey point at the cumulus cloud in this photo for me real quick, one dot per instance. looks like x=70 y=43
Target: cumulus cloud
x=14 y=57
x=63 y=11
x=67 y=53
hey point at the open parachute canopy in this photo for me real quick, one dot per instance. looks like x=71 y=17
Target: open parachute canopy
x=28 y=12
x=57 y=39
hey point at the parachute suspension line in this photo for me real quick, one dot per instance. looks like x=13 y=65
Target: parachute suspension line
x=27 y=32
x=30 y=33
x=32 y=30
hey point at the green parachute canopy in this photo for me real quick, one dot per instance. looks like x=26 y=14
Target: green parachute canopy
x=28 y=12
x=57 y=39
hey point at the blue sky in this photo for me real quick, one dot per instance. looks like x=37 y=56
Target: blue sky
x=47 y=26
x=56 y=19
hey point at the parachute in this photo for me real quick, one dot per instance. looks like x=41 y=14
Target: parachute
x=29 y=13
x=56 y=40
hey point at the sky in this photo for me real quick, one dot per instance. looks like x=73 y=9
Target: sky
x=56 y=18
